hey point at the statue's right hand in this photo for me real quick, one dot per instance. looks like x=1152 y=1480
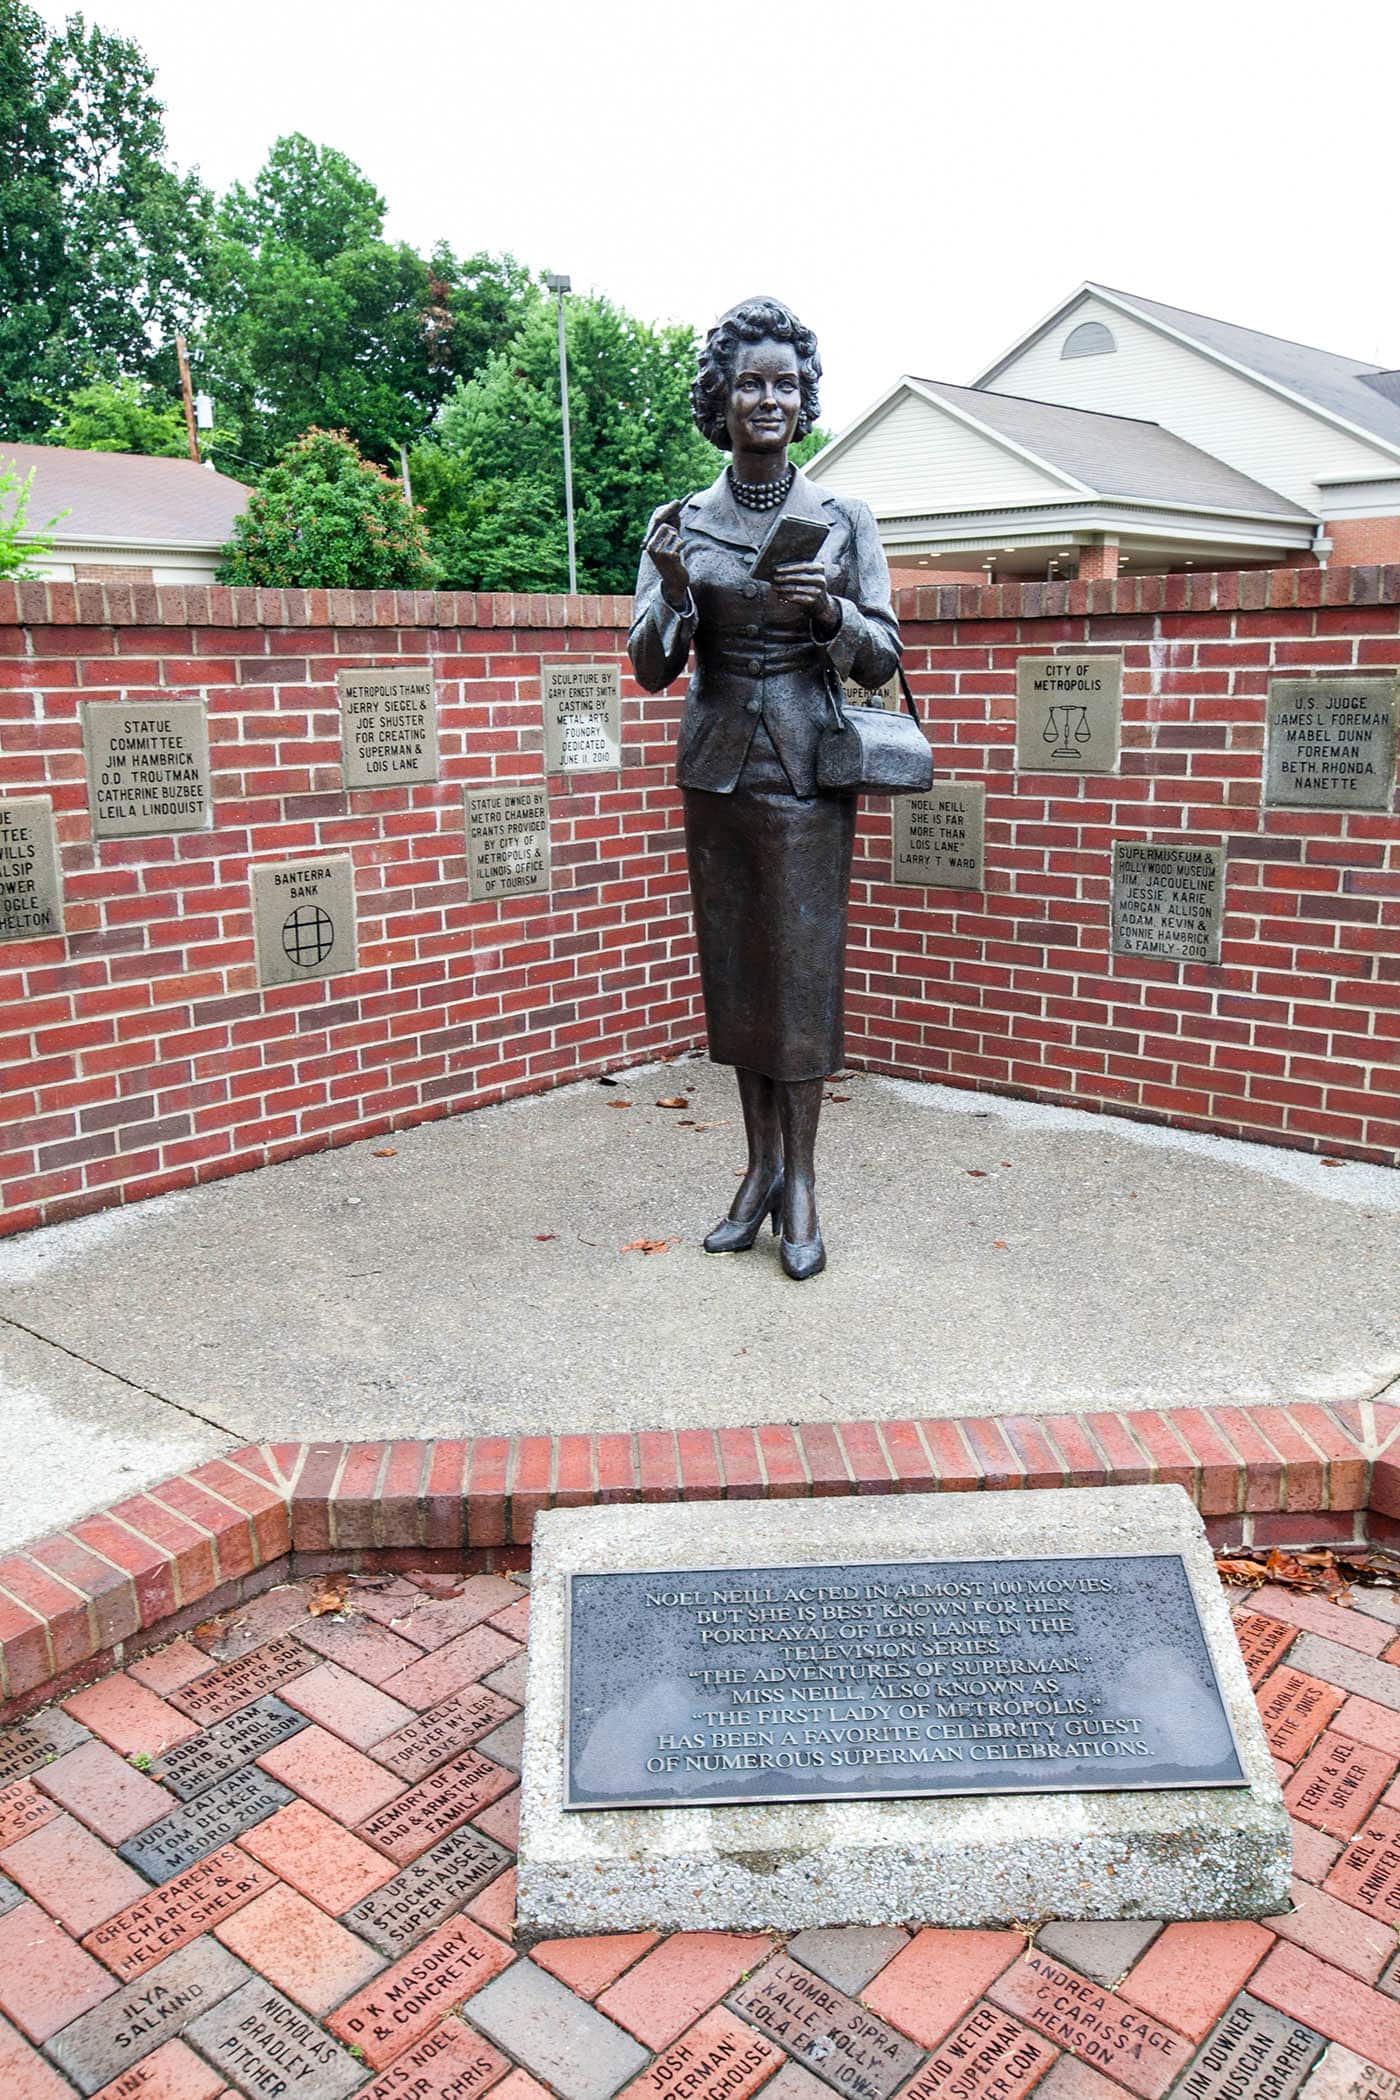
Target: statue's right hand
x=664 y=547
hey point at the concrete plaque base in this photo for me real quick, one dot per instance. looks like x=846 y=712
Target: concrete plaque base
x=1000 y=1859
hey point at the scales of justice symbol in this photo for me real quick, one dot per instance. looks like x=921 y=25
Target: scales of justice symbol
x=1067 y=728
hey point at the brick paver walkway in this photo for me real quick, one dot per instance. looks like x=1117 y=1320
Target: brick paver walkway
x=274 y=1858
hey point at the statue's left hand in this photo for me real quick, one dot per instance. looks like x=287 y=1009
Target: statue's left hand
x=805 y=583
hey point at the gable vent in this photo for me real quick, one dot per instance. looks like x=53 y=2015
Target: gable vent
x=1386 y=384
x=1089 y=339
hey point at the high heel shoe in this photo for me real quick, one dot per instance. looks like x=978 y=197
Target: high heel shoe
x=803 y=1258
x=737 y=1235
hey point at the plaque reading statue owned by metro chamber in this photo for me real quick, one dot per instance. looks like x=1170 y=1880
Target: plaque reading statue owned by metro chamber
x=582 y=716
x=1330 y=743
x=147 y=767
x=938 y=837
x=1069 y=713
x=507 y=841
x=1168 y=901
x=31 y=875
x=304 y=919
x=388 y=725
x=812 y=1683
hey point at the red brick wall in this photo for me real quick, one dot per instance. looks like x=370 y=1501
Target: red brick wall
x=1362 y=540
x=139 y=1055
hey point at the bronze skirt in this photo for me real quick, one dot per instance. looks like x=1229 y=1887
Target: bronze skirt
x=770 y=876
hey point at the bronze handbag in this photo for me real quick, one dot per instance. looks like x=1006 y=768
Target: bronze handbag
x=872 y=751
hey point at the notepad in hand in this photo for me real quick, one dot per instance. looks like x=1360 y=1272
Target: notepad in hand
x=789 y=539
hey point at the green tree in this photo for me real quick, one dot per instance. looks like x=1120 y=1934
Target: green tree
x=326 y=518
x=316 y=319
x=121 y=415
x=491 y=481
x=102 y=243
x=18 y=542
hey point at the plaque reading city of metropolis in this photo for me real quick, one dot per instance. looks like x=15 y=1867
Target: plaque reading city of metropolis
x=812 y=1683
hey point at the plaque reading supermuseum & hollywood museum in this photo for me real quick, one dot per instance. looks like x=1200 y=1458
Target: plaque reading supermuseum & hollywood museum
x=1168 y=900
x=582 y=717
x=507 y=841
x=147 y=768
x=31 y=878
x=938 y=837
x=304 y=919
x=1331 y=743
x=388 y=725
x=1069 y=713
x=907 y=1677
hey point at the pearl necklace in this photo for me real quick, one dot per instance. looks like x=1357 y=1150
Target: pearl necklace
x=761 y=495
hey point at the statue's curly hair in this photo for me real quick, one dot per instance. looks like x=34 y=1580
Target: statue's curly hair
x=752 y=321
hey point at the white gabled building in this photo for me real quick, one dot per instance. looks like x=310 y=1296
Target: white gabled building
x=1119 y=433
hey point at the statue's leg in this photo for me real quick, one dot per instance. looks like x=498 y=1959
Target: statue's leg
x=799 y=1108
x=761 y=1185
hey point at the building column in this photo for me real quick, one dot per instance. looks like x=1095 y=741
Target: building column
x=1098 y=564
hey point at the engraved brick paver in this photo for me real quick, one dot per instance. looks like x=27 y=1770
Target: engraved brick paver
x=1295 y=1709
x=23 y=1808
x=1367 y=1873
x=311 y=1851
x=102 y=1790
x=1338 y=1783
x=139 y=2016
x=451 y=2062
x=76 y=1878
x=554 y=2035
x=1262 y=1641
x=242 y=1679
x=719 y=2058
x=455 y=1793
x=431 y=1738
x=1335 y=2004
x=172 y=2072
x=988 y=2056
x=224 y=1748
x=262 y=2042
x=825 y=2029
x=38 y=1739
x=441 y=1880
x=680 y=1979
x=221 y=1812
x=1136 y=2050
x=136 y=1938
x=1253 y=2052
x=408 y=1999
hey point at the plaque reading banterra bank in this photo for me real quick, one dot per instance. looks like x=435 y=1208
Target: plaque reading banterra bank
x=908 y=1677
x=388 y=725
x=304 y=919
x=582 y=717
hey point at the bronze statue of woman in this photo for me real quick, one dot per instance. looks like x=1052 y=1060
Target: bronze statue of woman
x=769 y=853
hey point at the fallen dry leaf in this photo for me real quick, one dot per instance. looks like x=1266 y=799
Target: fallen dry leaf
x=837 y=1097
x=1317 y=1572
x=1003 y=1244
x=645 y=1247
x=331 y=1598
x=977 y=1173
x=1331 y=1162
x=674 y=1101
x=385 y=1152
x=619 y=1104
x=439 y=1586
x=546 y=1235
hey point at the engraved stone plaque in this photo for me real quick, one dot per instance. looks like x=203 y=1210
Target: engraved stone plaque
x=262 y=2043
x=582 y=717
x=132 y=2022
x=887 y=695
x=429 y=1889
x=938 y=837
x=1330 y=743
x=221 y=1812
x=507 y=841
x=147 y=768
x=388 y=725
x=230 y=1685
x=819 y=2025
x=1069 y=713
x=304 y=919
x=1251 y=2053
x=1168 y=900
x=910 y=1677
x=31 y=881
x=200 y=1761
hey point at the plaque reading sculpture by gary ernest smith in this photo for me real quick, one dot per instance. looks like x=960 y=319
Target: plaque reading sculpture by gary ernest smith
x=507 y=841
x=147 y=768
x=1069 y=713
x=31 y=878
x=582 y=717
x=304 y=919
x=927 y=1710
x=1330 y=743
x=938 y=837
x=388 y=725
x=1168 y=900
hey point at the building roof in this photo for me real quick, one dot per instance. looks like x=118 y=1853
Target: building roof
x=125 y=496
x=1115 y=455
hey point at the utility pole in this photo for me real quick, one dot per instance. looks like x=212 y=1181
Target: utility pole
x=187 y=395
x=559 y=286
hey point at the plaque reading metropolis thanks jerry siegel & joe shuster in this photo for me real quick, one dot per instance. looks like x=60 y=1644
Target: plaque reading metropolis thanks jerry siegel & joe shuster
x=818 y=1683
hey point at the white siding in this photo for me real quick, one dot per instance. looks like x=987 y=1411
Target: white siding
x=1151 y=375
x=919 y=458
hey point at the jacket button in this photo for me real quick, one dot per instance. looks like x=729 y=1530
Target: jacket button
x=755 y=666
x=752 y=628
x=750 y=590
x=753 y=706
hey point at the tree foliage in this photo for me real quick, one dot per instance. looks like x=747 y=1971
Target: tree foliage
x=326 y=518
x=491 y=482
x=19 y=542
x=121 y=415
x=102 y=243
x=316 y=318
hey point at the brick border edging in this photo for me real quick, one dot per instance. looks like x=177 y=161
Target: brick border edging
x=84 y=1599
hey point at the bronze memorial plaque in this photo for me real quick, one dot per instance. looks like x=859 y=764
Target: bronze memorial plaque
x=1168 y=900
x=938 y=837
x=147 y=768
x=1330 y=743
x=907 y=1677
x=31 y=877
x=304 y=919
x=507 y=840
x=388 y=725
x=1069 y=713
x=582 y=716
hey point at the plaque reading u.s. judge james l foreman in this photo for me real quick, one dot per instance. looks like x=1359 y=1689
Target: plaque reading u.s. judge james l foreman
x=388 y=725
x=147 y=767
x=1331 y=743
x=582 y=717
x=31 y=878
x=304 y=919
x=1069 y=712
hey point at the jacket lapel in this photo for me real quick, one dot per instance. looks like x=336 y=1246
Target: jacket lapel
x=715 y=513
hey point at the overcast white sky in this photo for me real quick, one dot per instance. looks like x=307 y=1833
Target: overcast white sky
x=921 y=181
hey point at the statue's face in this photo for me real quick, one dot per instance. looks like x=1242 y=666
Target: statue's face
x=765 y=398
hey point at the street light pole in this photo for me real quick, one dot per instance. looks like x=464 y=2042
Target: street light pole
x=560 y=285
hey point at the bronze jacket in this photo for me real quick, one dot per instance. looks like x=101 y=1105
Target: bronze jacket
x=755 y=655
